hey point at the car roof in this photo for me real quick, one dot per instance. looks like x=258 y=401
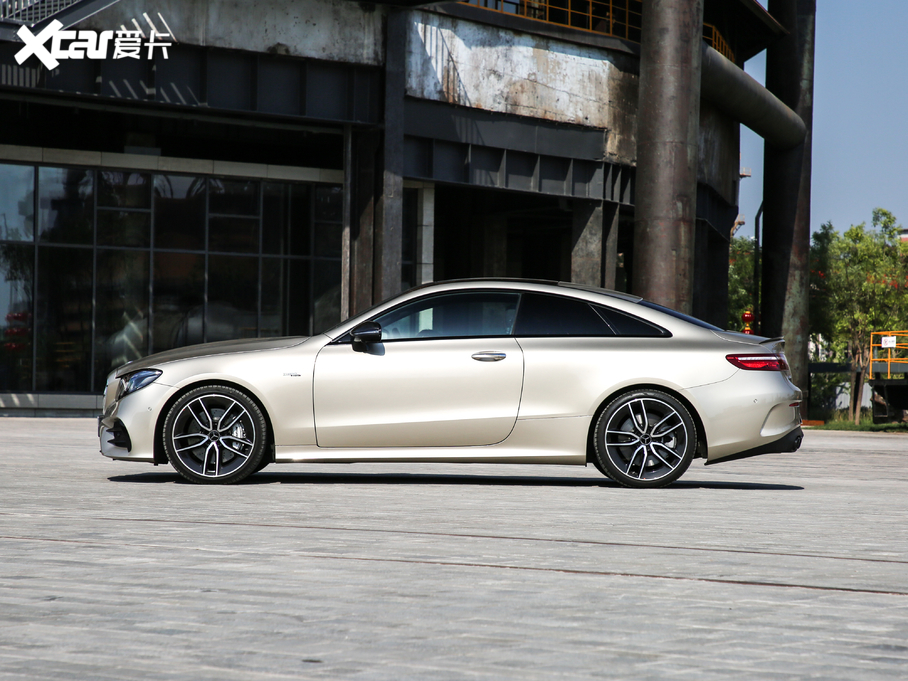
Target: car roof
x=511 y=282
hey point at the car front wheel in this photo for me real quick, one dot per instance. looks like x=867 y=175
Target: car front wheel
x=645 y=438
x=215 y=434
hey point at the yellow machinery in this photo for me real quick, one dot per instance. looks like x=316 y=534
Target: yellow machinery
x=889 y=374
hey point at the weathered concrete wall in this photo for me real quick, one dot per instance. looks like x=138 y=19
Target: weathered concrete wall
x=719 y=152
x=318 y=29
x=460 y=62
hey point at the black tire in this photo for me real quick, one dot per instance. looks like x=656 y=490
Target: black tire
x=215 y=434
x=645 y=438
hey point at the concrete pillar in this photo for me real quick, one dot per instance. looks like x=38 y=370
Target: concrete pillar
x=362 y=222
x=594 y=251
x=587 y=243
x=389 y=223
x=786 y=188
x=425 y=235
x=494 y=246
x=668 y=120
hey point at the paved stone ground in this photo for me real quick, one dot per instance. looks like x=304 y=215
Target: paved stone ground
x=781 y=567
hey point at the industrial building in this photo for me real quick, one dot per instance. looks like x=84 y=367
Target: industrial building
x=182 y=171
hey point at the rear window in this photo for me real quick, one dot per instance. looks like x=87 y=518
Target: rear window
x=627 y=325
x=680 y=315
x=542 y=315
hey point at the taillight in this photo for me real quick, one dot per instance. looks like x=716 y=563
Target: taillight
x=759 y=362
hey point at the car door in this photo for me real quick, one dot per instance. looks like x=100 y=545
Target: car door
x=446 y=373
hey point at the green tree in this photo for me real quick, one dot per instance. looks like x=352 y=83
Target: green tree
x=740 y=280
x=858 y=282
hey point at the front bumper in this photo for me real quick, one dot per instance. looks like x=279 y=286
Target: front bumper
x=126 y=428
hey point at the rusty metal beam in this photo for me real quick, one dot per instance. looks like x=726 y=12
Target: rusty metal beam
x=786 y=188
x=668 y=122
x=389 y=226
x=733 y=91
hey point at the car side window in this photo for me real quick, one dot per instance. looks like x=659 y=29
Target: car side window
x=543 y=315
x=452 y=315
x=624 y=324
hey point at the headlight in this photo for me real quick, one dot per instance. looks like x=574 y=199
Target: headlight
x=137 y=380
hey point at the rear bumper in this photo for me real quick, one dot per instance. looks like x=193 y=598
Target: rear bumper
x=787 y=443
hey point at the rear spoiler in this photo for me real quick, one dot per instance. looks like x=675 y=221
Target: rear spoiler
x=774 y=344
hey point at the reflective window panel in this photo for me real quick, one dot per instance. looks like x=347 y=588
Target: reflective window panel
x=17 y=266
x=65 y=205
x=179 y=212
x=121 y=317
x=232 y=297
x=233 y=234
x=326 y=295
x=179 y=294
x=124 y=189
x=17 y=203
x=233 y=197
x=63 y=319
x=122 y=228
x=285 y=297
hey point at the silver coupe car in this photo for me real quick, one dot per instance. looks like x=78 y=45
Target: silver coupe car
x=477 y=371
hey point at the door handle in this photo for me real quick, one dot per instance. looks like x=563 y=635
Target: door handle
x=489 y=356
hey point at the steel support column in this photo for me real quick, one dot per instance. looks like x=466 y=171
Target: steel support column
x=668 y=120
x=389 y=223
x=786 y=187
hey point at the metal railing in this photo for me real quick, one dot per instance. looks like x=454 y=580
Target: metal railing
x=888 y=348
x=30 y=12
x=619 y=18
x=715 y=40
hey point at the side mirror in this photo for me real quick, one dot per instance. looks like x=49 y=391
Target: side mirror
x=367 y=332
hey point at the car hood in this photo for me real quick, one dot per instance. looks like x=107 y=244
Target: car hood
x=209 y=349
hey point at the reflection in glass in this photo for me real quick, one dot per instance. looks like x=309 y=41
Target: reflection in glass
x=328 y=220
x=453 y=315
x=233 y=234
x=179 y=290
x=233 y=197
x=179 y=219
x=326 y=295
x=17 y=266
x=65 y=205
x=121 y=323
x=121 y=228
x=17 y=204
x=232 y=298
x=63 y=319
x=328 y=239
x=285 y=297
x=124 y=189
x=329 y=203
x=300 y=220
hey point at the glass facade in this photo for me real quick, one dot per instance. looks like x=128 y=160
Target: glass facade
x=99 y=267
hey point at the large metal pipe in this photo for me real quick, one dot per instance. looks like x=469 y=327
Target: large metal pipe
x=733 y=91
x=668 y=123
x=786 y=188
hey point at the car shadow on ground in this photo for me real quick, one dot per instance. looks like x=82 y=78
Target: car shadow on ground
x=294 y=478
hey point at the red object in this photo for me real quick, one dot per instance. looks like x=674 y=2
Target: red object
x=13 y=347
x=17 y=331
x=769 y=362
x=747 y=318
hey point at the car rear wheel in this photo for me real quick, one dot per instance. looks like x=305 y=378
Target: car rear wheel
x=645 y=438
x=215 y=434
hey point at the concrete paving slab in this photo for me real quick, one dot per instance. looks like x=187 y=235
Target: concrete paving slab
x=785 y=566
